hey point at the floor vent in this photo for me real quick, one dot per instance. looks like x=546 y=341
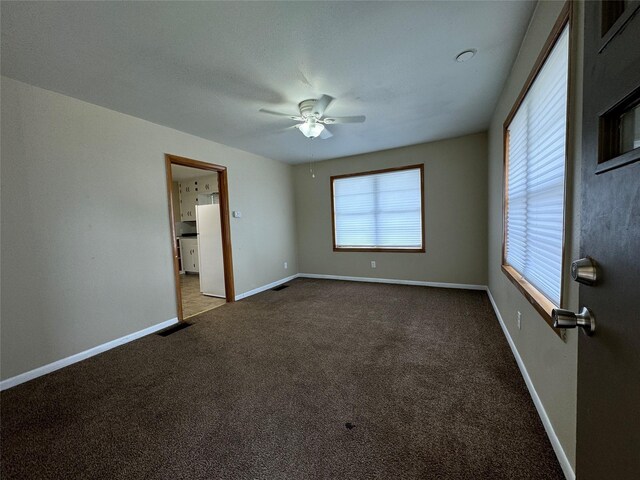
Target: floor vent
x=279 y=287
x=176 y=328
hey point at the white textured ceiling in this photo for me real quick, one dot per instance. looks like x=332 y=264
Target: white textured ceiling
x=206 y=68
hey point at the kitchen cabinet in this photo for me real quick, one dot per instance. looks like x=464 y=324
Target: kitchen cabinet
x=189 y=191
x=188 y=197
x=189 y=255
x=208 y=184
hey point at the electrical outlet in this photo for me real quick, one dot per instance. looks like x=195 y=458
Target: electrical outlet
x=373 y=264
x=519 y=320
x=285 y=265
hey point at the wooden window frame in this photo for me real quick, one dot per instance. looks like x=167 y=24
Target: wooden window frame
x=420 y=167
x=537 y=299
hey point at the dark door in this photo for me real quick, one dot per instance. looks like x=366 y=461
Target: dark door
x=608 y=437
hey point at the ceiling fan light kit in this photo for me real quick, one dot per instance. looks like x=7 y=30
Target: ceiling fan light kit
x=311 y=112
x=311 y=129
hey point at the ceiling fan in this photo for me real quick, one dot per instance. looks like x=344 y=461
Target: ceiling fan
x=311 y=116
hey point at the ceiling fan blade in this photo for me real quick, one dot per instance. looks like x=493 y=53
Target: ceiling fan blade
x=325 y=134
x=353 y=119
x=280 y=114
x=321 y=105
x=286 y=129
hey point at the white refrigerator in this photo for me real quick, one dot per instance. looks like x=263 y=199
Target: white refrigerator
x=210 y=250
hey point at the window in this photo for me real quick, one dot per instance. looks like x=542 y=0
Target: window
x=535 y=158
x=379 y=211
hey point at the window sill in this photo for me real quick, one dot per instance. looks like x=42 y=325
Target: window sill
x=542 y=304
x=374 y=249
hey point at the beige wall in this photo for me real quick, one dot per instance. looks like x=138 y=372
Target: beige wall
x=550 y=362
x=86 y=248
x=455 y=210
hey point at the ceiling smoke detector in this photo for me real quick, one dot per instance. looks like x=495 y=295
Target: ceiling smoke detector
x=466 y=55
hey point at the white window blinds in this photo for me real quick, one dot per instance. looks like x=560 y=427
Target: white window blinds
x=536 y=175
x=380 y=210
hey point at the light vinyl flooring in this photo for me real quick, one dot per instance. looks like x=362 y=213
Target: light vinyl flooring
x=194 y=302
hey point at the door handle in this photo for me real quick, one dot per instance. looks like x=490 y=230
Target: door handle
x=568 y=319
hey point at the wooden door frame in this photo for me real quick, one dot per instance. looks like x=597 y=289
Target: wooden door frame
x=225 y=226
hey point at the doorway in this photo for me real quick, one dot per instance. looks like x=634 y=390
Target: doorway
x=200 y=235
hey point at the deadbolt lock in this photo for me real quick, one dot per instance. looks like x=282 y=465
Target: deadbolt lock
x=585 y=271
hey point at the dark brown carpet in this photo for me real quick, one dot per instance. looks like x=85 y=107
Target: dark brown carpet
x=265 y=388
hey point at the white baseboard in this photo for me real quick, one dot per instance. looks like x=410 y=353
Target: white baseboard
x=358 y=279
x=464 y=286
x=58 y=364
x=240 y=296
x=555 y=443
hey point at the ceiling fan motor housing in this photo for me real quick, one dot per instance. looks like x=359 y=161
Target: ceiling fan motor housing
x=306 y=108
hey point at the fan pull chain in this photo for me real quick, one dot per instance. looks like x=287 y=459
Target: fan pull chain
x=313 y=175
